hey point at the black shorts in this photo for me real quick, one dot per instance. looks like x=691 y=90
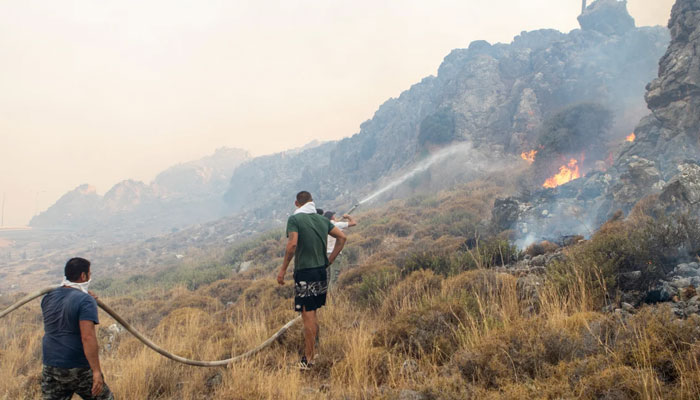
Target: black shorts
x=310 y=288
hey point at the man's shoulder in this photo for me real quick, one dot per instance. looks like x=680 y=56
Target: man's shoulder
x=79 y=296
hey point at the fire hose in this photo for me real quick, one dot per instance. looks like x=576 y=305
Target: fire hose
x=154 y=346
x=150 y=343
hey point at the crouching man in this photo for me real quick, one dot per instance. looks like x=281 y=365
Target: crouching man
x=69 y=347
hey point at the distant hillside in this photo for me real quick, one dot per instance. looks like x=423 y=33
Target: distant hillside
x=182 y=195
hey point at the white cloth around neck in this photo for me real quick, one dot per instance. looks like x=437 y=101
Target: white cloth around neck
x=83 y=287
x=308 y=208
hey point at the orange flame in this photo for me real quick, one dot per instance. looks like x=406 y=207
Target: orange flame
x=566 y=173
x=528 y=156
x=631 y=137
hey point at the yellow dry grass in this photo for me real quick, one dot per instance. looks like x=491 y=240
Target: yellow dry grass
x=500 y=350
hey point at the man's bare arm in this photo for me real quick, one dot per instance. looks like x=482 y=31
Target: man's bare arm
x=288 y=255
x=339 y=243
x=91 y=349
x=351 y=220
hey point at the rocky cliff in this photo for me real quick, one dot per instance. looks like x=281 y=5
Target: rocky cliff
x=661 y=160
x=495 y=96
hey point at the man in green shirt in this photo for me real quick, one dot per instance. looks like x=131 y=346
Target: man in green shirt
x=307 y=234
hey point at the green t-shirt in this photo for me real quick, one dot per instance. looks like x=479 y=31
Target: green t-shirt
x=313 y=232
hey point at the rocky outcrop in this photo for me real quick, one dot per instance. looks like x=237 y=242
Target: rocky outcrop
x=662 y=160
x=609 y=17
x=682 y=193
x=494 y=95
x=674 y=97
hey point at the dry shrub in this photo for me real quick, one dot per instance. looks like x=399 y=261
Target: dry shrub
x=226 y=290
x=656 y=341
x=532 y=349
x=266 y=294
x=450 y=387
x=430 y=331
x=367 y=285
x=265 y=250
x=647 y=206
x=615 y=383
x=410 y=293
x=540 y=248
x=20 y=354
x=489 y=287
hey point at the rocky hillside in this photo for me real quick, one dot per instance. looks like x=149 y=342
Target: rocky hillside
x=182 y=195
x=661 y=163
x=494 y=96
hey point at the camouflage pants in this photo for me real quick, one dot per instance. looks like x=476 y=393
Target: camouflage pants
x=61 y=383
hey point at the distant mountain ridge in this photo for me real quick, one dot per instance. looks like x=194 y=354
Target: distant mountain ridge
x=181 y=195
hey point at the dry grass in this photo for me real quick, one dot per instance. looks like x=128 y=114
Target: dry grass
x=445 y=332
x=463 y=337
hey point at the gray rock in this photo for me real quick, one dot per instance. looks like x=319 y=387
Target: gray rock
x=680 y=283
x=539 y=261
x=673 y=97
x=609 y=17
x=627 y=307
x=682 y=193
x=407 y=394
x=663 y=292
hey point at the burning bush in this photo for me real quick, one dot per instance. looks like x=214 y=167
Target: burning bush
x=572 y=139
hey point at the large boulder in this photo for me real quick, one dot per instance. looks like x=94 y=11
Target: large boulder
x=609 y=17
x=682 y=193
x=674 y=97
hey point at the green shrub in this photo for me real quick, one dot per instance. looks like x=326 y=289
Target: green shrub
x=652 y=246
x=438 y=128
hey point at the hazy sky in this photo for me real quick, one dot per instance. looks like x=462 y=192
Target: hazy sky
x=97 y=91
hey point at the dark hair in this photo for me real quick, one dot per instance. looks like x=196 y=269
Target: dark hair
x=304 y=197
x=319 y=211
x=329 y=214
x=75 y=267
